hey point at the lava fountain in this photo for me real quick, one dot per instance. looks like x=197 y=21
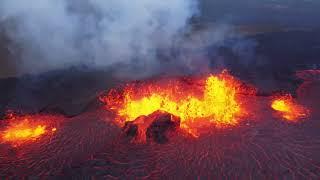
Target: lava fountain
x=288 y=108
x=22 y=129
x=196 y=101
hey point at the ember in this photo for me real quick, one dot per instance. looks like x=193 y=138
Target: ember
x=213 y=100
x=288 y=108
x=24 y=129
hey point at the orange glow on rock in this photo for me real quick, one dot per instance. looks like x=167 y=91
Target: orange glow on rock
x=288 y=108
x=213 y=100
x=21 y=129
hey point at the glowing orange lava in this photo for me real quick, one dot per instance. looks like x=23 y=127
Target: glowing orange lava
x=289 y=108
x=23 y=129
x=214 y=99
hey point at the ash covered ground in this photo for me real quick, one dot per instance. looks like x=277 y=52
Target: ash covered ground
x=89 y=144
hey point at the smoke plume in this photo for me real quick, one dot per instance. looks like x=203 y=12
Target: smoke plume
x=54 y=34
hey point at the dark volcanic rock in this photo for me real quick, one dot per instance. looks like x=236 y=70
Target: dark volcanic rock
x=130 y=130
x=152 y=128
x=159 y=128
x=69 y=92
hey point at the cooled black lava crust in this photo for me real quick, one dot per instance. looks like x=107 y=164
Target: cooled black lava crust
x=90 y=145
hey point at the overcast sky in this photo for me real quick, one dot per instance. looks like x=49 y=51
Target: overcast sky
x=297 y=13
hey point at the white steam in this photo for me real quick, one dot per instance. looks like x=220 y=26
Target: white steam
x=53 y=34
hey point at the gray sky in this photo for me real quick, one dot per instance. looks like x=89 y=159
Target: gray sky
x=297 y=13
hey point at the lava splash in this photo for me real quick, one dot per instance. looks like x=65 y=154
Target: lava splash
x=27 y=128
x=288 y=108
x=196 y=101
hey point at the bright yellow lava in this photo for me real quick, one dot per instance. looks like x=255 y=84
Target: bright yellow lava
x=218 y=102
x=289 y=109
x=23 y=131
x=280 y=105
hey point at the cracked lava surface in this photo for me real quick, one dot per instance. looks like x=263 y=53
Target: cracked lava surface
x=261 y=146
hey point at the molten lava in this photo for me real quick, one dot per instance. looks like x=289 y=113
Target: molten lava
x=21 y=129
x=288 y=108
x=214 y=99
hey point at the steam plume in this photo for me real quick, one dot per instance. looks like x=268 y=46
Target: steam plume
x=53 y=34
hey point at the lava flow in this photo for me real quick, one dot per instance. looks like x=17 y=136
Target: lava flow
x=288 y=108
x=197 y=102
x=22 y=129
